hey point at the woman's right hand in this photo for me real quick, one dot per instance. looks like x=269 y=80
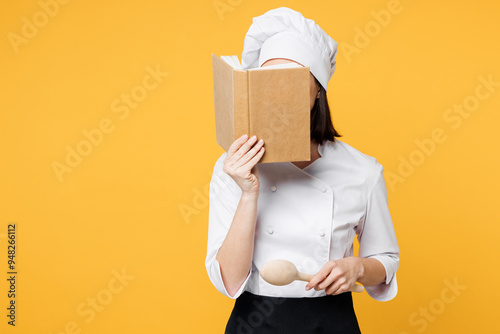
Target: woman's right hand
x=241 y=163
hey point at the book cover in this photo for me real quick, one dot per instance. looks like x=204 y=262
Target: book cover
x=271 y=103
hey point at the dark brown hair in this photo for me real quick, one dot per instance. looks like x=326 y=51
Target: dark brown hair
x=321 y=123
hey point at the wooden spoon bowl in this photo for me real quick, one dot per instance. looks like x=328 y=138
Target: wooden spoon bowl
x=283 y=272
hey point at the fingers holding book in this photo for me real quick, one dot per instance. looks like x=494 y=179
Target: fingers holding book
x=241 y=160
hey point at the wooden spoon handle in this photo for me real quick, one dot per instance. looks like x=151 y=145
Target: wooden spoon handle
x=357 y=288
x=307 y=278
x=304 y=277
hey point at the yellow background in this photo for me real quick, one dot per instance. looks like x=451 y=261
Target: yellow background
x=120 y=207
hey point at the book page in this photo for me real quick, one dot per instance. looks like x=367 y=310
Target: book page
x=233 y=61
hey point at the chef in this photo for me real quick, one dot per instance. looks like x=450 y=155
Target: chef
x=306 y=212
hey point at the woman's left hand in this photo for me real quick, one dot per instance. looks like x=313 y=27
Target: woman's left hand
x=337 y=276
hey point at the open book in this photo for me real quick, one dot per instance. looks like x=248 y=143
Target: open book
x=271 y=102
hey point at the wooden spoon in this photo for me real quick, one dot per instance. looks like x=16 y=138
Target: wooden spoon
x=283 y=272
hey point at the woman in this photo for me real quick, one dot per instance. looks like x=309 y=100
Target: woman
x=307 y=212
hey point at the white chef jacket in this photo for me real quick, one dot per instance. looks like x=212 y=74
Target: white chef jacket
x=309 y=216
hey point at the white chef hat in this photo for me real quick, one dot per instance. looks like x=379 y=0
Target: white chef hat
x=286 y=33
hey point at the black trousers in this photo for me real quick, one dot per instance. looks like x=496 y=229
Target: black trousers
x=255 y=314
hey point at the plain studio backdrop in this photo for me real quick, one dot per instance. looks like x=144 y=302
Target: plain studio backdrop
x=108 y=145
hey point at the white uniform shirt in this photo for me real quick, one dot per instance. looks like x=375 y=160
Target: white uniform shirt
x=309 y=216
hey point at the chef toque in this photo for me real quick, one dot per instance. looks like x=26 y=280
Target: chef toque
x=286 y=33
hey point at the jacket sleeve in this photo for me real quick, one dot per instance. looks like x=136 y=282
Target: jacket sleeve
x=377 y=239
x=224 y=196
